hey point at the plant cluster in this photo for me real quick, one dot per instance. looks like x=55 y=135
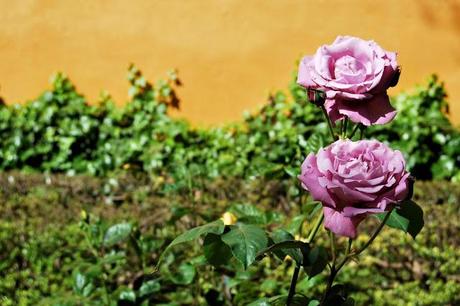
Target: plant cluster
x=60 y=132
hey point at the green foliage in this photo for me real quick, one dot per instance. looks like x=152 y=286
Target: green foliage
x=216 y=228
x=60 y=132
x=408 y=218
x=53 y=254
x=245 y=241
x=422 y=131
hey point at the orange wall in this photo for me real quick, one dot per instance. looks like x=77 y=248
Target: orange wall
x=229 y=53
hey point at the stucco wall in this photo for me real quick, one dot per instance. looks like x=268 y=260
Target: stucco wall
x=229 y=53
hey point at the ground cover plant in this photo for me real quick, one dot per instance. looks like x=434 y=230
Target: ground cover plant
x=46 y=259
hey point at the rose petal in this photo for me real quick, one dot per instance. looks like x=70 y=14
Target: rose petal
x=309 y=178
x=339 y=224
x=376 y=110
x=303 y=76
x=350 y=211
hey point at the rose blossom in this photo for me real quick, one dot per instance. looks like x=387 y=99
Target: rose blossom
x=355 y=74
x=354 y=179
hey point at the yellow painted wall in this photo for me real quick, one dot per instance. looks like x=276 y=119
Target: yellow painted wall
x=229 y=53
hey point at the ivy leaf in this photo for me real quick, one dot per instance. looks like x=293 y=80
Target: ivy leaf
x=314 y=143
x=260 y=302
x=408 y=218
x=297 y=300
x=245 y=241
x=117 y=233
x=248 y=213
x=149 y=287
x=217 y=253
x=184 y=274
x=128 y=295
x=215 y=227
x=292 y=172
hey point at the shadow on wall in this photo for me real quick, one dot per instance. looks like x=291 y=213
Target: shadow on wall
x=427 y=10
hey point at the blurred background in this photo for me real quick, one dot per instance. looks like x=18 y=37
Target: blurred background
x=229 y=53
x=104 y=164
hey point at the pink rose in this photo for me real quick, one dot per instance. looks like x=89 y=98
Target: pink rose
x=355 y=74
x=354 y=179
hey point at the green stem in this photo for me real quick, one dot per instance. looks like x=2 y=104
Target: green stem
x=295 y=276
x=350 y=242
x=315 y=228
x=335 y=270
x=377 y=231
x=345 y=127
x=331 y=238
x=368 y=243
x=355 y=129
x=291 y=294
x=361 y=132
x=329 y=123
x=330 y=281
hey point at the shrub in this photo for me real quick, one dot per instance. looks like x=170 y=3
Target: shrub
x=60 y=132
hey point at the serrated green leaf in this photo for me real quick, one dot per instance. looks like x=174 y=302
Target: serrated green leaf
x=217 y=253
x=245 y=241
x=215 y=227
x=408 y=218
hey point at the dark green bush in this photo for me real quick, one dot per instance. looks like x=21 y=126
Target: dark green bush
x=61 y=132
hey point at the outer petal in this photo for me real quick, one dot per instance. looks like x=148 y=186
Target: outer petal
x=376 y=110
x=337 y=223
x=351 y=211
x=401 y=191
x=304 y=76
x=309 y=178
x=390 y=78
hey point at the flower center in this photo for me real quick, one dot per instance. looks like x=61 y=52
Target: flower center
x=348 y=68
